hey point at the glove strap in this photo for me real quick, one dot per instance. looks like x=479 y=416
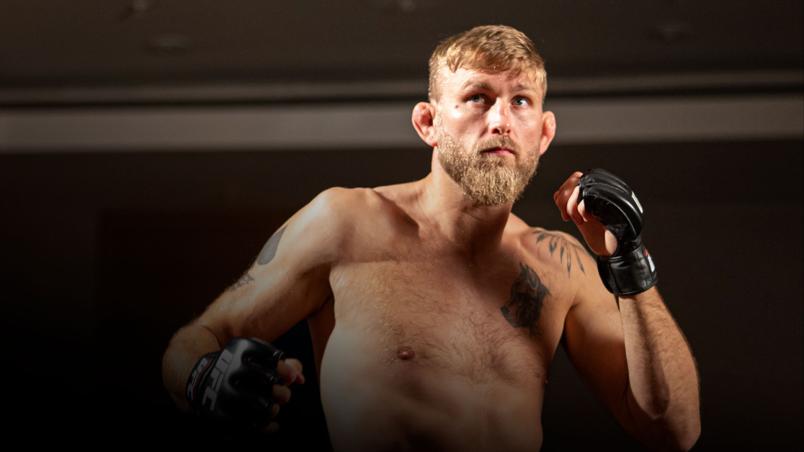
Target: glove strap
x=631 y=273
x=202 y=367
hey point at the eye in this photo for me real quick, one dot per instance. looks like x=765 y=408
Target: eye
x=477 y=99
x=521 y=101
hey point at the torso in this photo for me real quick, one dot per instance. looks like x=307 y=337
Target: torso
x=426 y=349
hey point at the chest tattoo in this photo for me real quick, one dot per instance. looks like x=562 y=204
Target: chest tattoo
x=525 y=303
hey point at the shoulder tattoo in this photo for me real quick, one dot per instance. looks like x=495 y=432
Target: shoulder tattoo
x=562 y=249
x=525 y=303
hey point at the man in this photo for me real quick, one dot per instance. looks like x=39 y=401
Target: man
x=434 y=311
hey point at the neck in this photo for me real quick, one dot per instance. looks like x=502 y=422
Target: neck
x=455 y=217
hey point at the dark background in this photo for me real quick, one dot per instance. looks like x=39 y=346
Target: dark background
x=110 y=245
x=107 y=255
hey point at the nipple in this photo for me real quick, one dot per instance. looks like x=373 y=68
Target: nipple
x=405 y=353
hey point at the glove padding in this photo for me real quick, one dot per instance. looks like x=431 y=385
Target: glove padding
x=630 y=269
x=236 y=384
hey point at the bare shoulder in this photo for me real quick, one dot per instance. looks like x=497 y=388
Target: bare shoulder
x=339 y=206
x=323 y=225
x=342 y=213
x=363 y=198
x=331 y=200
x=539 y=235
x=558 y=250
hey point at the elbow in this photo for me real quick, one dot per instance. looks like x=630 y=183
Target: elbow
x=689 y=434
x=684 y=424
x=665 y=426
x=676 y=435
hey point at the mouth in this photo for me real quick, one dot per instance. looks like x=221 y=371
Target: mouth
x=502 y=151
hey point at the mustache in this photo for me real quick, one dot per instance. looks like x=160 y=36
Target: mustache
x=497 y=142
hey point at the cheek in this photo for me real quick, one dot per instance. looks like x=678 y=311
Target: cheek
x=531 y=129
x=459 y=122
x=458 y=115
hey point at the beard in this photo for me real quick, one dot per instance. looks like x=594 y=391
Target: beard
x=486 y=179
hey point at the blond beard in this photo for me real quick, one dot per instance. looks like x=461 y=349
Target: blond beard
x=485 y=179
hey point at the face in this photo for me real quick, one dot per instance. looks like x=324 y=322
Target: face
x=489 y=130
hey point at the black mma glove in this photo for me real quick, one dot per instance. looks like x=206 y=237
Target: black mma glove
x=236 y=384
x=630 y=269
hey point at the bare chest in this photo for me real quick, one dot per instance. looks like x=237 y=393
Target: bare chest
x=499 y=320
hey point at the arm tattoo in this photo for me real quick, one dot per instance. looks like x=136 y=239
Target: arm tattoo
x=269 y=250
x=566 y=249
x=266 y=255
x=245 y=279
x=527 y=297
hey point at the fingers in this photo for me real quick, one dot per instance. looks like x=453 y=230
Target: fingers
x=290 y=371
x=280 y=395
x=582 y=209
x=567 y=199
x=573 y=207
x=271 y=428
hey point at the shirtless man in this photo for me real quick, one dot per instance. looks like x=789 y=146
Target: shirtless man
x=434 y=311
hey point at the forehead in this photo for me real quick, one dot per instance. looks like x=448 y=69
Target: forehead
x=463 y=79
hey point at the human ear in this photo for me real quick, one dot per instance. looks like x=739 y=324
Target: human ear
x=422 y=118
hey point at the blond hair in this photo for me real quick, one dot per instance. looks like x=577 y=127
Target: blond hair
x=488 y=48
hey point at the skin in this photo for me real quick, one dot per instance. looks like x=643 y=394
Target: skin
x=434 y=321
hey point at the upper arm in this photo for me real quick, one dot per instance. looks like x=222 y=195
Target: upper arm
x=593 y=339
x=289 y=279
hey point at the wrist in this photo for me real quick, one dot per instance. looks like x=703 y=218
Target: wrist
x=629 y=272
x=194 y=388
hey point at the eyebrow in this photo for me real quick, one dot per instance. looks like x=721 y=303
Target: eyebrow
x=521 y=87
x=487 y=87
x=476 y=85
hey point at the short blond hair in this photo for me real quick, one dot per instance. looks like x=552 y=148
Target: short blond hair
x=488 y=48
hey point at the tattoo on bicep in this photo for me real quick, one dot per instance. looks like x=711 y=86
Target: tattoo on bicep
x=269 y=249
x=245 y=279
x=566 y=249
x=526 y=301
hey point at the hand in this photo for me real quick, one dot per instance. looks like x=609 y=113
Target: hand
x=610 y=219
x=600 y=240
x=290 y=372
x=244 y=384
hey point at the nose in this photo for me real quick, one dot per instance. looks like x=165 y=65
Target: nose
x=499 y=118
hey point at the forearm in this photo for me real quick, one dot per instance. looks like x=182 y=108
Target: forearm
x=663 y=382
x=186 y=347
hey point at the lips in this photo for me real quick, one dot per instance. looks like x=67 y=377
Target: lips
x=499 y=151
